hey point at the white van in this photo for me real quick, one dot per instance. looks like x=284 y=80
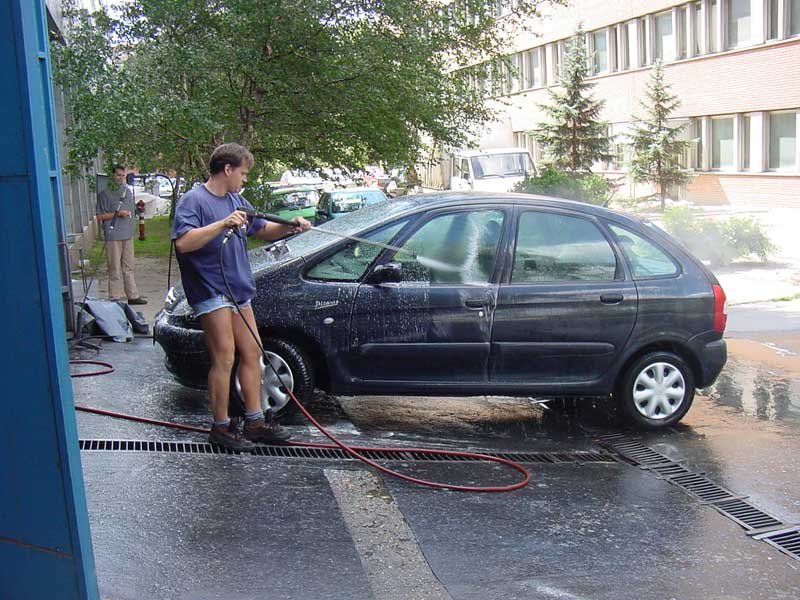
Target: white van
x=490 y=169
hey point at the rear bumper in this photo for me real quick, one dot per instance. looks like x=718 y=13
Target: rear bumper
x=712 y=357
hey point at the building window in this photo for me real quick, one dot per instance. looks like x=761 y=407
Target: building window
x=600 y=54
x=681 y=33
x=665 y=37
x=642 y=42
x=794 y=17
x=623 y=57
x=535 y=74
x=713 y=38
x=698 y=29
x=746 y=122
x=632 y=44
x=773 y=19
x=738 y=25
x=782 y=141
x=722 y=151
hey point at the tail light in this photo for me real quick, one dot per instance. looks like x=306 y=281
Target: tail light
x=720 y=309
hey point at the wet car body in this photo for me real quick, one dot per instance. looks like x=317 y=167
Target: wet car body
x=499 y=337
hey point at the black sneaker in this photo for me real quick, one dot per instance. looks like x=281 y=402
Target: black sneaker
x=139 y=300
x=222 y=435
x=261 y=432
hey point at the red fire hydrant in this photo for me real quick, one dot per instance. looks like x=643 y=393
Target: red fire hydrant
x=140 y=210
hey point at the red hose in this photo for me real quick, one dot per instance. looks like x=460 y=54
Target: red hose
x=109 y=368
x=352 y=450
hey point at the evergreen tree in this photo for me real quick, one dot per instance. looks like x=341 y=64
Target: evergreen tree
x=654 y=142
x=573 y=137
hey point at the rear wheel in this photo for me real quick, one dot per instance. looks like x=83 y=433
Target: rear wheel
x=656 y=390
x=294 y=372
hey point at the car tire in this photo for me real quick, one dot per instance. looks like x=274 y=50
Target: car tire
x=295 y=372
x=656 y=390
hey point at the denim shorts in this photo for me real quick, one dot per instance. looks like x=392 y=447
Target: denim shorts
x=215 y=303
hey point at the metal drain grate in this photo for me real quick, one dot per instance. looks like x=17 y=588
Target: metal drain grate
x=701 y=487
x=759 y=524
x=747 y=515
x=787 y=541
x=338 y=454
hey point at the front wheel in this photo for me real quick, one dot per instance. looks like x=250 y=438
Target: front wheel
x=287 y=369
x=656 y=390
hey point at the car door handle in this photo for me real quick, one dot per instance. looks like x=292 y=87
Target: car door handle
x=611 y=298
x=475 y=304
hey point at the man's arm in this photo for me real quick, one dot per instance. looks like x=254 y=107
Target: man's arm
x=196 y=238
x=275 y=231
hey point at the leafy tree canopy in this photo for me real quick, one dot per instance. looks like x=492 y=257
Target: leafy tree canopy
x=160 y=83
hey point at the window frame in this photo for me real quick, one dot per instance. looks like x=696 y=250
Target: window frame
x=621 y=271
x=678 y=267
x=722 y=168
x=794 y=167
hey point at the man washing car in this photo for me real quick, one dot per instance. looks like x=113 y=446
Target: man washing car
x=205 y=219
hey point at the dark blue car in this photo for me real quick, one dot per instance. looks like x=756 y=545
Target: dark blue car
x=535 y=296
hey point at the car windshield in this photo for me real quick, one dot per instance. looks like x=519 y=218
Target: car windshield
x=349 y=224
x=345 y=202
x=501 y=165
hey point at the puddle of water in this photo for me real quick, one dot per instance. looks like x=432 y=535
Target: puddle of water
x=757 y=392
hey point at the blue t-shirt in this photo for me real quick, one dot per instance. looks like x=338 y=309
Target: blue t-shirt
x=200 y=272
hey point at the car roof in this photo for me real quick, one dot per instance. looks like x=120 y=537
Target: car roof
x=486 y=151
x=293 y=188
x=447 y=198
x=350 y=190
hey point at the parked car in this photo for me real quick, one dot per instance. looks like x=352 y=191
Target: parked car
x=335 y=203
x=541 y=297
x=291 y=202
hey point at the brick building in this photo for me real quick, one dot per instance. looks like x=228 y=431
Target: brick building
x=735 y=64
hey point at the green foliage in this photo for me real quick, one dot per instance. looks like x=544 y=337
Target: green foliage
x=300 y=82
x=718 y=242
x=656 y=148
x=574 y=137
x=584 y=187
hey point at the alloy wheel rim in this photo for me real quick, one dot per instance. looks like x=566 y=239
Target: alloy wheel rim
x=659 y=391
x=274 y=395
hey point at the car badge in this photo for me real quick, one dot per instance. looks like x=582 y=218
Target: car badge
x=320 y=304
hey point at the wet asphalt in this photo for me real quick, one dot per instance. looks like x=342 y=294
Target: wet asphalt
x=177 y=525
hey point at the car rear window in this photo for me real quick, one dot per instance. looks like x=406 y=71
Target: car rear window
x=646 y=259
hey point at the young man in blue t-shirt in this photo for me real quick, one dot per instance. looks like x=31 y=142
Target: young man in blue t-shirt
x=202 y=218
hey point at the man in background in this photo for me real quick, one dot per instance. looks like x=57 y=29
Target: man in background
x=115 y=211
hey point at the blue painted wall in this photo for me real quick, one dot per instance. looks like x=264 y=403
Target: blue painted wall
x=45 y=545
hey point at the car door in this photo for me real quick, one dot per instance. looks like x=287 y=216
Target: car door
x=567 y=306
x=434 y=326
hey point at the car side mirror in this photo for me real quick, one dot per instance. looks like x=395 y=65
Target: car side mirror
x=465 y=176
x=391 y=272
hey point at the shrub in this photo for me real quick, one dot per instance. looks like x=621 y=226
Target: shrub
x=717 y=242
x=584 y=187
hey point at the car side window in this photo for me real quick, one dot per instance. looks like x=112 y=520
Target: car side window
x=555 y=247
x=646 y=259
x=462 y=247
x=349 y=263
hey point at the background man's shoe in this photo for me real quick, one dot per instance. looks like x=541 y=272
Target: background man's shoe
x=139 y=300
x=262 y=432
x=221 y=435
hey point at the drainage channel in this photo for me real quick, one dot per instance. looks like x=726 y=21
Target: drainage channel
x=177 y=447
x=758 y=524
